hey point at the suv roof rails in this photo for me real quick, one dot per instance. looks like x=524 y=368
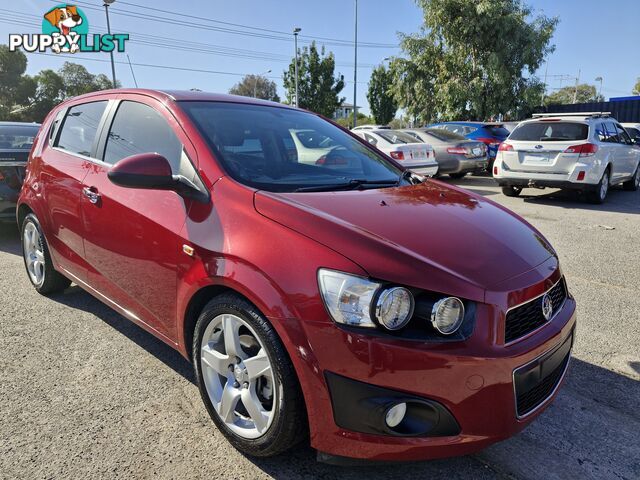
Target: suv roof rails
x=573 y=114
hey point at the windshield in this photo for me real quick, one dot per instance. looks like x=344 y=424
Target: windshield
x=18 y=137
x=283 y=150
x=444 y=135
x=550 y=131
x=397 y=138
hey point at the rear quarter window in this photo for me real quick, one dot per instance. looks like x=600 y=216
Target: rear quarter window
x=550 y=132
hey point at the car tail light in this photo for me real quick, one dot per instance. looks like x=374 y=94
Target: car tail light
x=457 y=150
x=397 y=155
x=585 y=149
x=495 y=169
x=581 y=175
x=505 y=147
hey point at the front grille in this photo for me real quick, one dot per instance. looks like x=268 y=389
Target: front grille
x=536 y=382
x=528 y=317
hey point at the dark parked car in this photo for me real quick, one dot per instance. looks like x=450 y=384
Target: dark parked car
x=16 y=140
x=349 y=303
x=455 y=154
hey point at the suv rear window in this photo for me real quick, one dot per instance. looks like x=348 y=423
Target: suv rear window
x=496 y=130
x=550 y=132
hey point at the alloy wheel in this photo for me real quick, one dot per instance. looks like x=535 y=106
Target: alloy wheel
x=33 y=253
x=238 y=376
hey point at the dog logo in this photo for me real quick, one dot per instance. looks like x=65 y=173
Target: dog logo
x=547 y=307
x=66 y=19
x=65 y=29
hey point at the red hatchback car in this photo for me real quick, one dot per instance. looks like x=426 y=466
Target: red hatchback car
x=320 y=290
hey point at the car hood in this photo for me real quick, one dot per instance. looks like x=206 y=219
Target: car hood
x=431 y=236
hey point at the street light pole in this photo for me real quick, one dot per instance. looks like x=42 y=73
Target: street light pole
x=295 y=38
x=113 y=65
x=599 y=79
x=255 y=83
x=355 y=69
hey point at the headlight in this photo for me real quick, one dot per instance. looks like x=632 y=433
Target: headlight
x=447 y=315
x=394 y=307
x=348 y=298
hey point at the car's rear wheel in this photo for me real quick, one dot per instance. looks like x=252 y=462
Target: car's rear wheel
x=511 y=191
x=37 y=259
x=599 y=194
x=246 y=379
x=633 y=184
x=458 y=175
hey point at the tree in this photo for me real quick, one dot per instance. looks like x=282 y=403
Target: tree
x=636 y=88
x=470 y=58
x=14 y=89
x=565 y=95
x=382 y=103
x=256 y=86
x=347 y=122
x=318 y=87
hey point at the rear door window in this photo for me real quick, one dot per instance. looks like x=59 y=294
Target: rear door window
x=80 y=126
x=138 y=128
x=550 y=132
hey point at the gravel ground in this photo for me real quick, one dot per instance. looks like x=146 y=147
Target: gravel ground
x=87 y=394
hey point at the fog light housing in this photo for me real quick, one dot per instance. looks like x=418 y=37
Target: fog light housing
x=395 y=415
x=394 y=307
x=447 y=315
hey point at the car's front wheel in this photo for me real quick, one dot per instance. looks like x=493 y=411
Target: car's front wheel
x=246 y=378
x=37 y=259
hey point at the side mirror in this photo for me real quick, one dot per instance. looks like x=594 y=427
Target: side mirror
x=153 y=172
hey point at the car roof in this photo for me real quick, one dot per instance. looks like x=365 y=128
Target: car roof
x=468 y=122
x=19 y=124
x=183 y=95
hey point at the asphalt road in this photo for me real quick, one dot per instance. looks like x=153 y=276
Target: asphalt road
x=87 y=394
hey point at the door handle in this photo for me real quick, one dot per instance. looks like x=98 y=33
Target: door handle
x=91 y=194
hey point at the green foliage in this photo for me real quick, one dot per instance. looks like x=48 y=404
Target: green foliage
x=469 y=60
x=318 y=88
x=347 y=122
x=565 y=95
x=636 y=88
x=29 y=99
x=256 y=86
x=382 y=103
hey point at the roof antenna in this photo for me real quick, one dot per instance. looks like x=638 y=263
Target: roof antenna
x=132 y=74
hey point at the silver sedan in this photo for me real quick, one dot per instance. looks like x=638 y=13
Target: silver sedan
x=455 y=154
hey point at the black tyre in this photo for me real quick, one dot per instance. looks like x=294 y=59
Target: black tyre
x=599 y=194
x=458 y=176
x=633 y=184
x=37 y=259
x=511 y=191
x=246 y=379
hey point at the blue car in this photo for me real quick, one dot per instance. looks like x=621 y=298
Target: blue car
x=490 y=133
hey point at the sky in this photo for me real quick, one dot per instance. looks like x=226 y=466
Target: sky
x=216 y=42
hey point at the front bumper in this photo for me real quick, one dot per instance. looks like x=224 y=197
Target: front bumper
x=471 y=379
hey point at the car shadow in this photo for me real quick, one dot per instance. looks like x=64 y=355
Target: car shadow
x=76 y=297
x=10 y=238
x=618 y=200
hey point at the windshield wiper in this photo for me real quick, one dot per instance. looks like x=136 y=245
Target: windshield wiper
x=351 y=185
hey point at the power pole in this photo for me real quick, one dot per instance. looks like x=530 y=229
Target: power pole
x=544 y=92
x=355 y=70
x=113 y=65
x=296 y=31
x=575 y=93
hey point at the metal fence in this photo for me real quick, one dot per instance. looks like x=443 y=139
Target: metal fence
x=623 y=111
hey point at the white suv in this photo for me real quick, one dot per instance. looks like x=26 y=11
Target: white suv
x=582 y=151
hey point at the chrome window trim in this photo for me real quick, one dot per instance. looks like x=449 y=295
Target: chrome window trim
x=555 y=314
x=555 y=389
